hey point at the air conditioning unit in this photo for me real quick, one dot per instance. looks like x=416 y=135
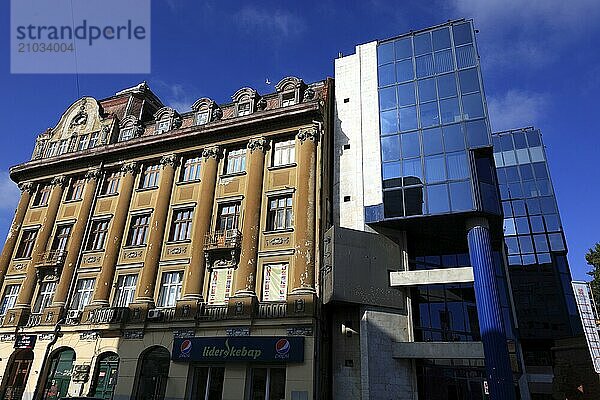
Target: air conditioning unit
x=74 y=314
x=154 y=314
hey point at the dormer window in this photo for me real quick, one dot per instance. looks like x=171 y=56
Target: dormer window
x=288 y=99
x=244 y=109
x=202 y=118
x=63 y=146
x=166 y=119
x=126 y=134
x=51 y=149
x=162 y=126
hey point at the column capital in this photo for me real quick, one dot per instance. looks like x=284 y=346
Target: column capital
x=129 y=168
x=93 y=174
x=26 y=187
x=312 y=133
x=260 y=143
x=211 y=152
x=59 y=181
x=170 y=159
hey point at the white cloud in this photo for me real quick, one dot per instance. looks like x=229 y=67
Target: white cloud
x=176 y=95
x=274 y=22
x=516 y=109
x=9 y=193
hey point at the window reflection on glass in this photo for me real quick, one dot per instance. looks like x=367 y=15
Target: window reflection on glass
x=444 y=62
x=426 y=90
x=469 y=81
x=406 y=94
x=387 y=98
x=422 y=43
x=460 y=196
x=388 y=121
x=462 y=34
x=477 y=133
x=512 y=245
x=435 y=170
x=450 y=110
x=408 y=118
x=446 y=85
x=413 y=200
x=453 y=137
x=403 y=48
x=441 y=39
x=429 y=114
x=424 y=66
x=509 y=226
x=390 y=148
x=522 y=225
x=537 y=223
x=385 y=53
x=526 y=244
x=404 y=71
x=472 y=106
x=413 y=173
x=392 y=174
x=458 y=165
x=465 y=57
x=437 y=199
x=410 y=144
x=432 y=141
x=386 y=74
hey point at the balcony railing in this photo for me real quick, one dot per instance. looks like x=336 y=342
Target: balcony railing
x=52 y=258
x=228 y=239
x=212 y=312
x=33 y=320
x=272 y=310
x=109 y=315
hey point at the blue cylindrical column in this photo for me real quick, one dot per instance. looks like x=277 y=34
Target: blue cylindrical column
x=493 y=336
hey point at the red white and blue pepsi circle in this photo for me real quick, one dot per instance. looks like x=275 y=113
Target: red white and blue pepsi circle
x=282 y=346
x=185 y=348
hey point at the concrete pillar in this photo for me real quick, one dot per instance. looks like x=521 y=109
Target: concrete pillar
x=76 y=240
x=148 y=276
x=493 y=336
x=303 y=270
x=15 y=228
x=194 y=274
x=245 y=275
x=28 y=285
x=104 y=281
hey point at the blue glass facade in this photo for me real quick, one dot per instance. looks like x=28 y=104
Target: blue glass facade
x=432 y=112
x=534 y=238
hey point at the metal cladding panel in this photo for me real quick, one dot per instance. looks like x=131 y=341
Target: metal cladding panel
x=356 y=268
x=493 y=335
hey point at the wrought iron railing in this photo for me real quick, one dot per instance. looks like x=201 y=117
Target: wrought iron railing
x=272 y=310
x=108 y=315
x=212 y=312
x=227 y=239
x=33 y=320
x=52 y=258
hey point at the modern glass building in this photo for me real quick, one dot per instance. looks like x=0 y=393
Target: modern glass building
x=413 y=166
x=536 y=249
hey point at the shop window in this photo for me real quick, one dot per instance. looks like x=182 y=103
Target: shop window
x=207 y=383
x=267 y=383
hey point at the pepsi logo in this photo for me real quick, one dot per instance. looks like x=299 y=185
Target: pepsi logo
x=282 y=346
x=185 y=348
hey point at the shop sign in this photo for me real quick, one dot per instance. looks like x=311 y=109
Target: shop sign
x=239 y=348
x=25 y=341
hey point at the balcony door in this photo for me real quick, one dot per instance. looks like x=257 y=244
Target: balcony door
x=228 y=217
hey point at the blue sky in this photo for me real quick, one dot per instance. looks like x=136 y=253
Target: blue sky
x=541 y=66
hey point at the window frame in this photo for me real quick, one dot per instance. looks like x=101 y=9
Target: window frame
x=124 y=290
x=127 y=133
x=26 y=245
x=111 y=182
x=222 y=219
x=286 y=211
x=75 y=192
x=178 y=223
x=93 y=243
x=139 y=225
x=9 y=298
x=191 y=169
x=150 y=176
x=285 y=151
x=61 y=237
x=84 y=293
x=235 y=161
x=42 y=195
x=164 y=294
x=45 y=296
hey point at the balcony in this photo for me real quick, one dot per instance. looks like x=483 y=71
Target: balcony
x=108 y=315
x=272 y=310
x=223 y=240
x=49 y=263
x=208 y=312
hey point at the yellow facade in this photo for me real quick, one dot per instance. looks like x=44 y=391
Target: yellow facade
x=139 y=226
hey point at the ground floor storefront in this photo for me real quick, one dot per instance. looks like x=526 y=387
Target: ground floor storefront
x=220 y=363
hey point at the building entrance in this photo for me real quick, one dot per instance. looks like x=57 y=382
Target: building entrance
x=18 y=372
x=106 y=376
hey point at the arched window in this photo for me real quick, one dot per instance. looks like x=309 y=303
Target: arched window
x=105 y=376
x=58 y=374
x=16 y=375
x=152 y=374
x=245 y=101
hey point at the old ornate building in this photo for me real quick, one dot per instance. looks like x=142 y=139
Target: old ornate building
x=166 y=255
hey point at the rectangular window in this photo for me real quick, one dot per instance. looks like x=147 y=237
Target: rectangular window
x=83 y=294
x=170 y=288
x=9 y=299
x=208 y=383
x=93 y=140
x=125 y=291
x=229 y=215
x=267 y=383
x=202 y=118
x=27 y=241
x=191 y=169
x=83 y=142
x=220 y=285
x=76 y=189
x=138 y=230
x=126 y=134
x=288 y=99
x=61 y=238
x=63 y=146
x=111 y=183
x=284 y=153
x=243 y=109
x=280 y=215
x=42 y=195
x=97 y=235
x=150 y=176
x=275 y=282
x=162 y=126
x=181 y=226
x=44 y=298
x=236 y=161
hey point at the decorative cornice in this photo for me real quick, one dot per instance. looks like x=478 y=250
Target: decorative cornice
x=261 y=144
x=129 y=168
x=309 y=94
x=261 y=105
x=211 y=152
x=311 y=133
x=93 y=174
x=170 y=159
x=59 y=181
x=26 y=187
